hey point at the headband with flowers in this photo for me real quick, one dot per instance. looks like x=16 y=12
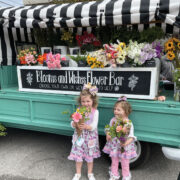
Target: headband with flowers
x=92 y=89
x=123 y=98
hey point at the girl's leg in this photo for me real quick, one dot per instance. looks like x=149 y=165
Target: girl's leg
x=90 y=167
x=78 y=167
x=125 y=167
x=115 y=166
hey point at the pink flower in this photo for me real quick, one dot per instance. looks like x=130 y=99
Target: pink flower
x=53 y=61
x=63 y=59
x=119 y=128
x=124 y=130
x=76 y=117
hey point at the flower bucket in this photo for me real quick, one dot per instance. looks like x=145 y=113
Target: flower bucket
x=60 y=49
x=74 y=50
x=46 y=50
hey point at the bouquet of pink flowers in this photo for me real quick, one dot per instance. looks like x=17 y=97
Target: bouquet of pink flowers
x=53 y=61
x=119 y=129
x=28 y=57
x=80 y=116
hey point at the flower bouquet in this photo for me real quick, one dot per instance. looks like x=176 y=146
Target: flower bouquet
x=28 y=57
x=88 y=42
x=172 y=49
x=69 y=38
x=42 y=58
x=80 y=116
x=53 y=61
x=120 y=130
x=97 y=59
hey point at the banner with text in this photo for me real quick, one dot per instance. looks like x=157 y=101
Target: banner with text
x=110 y=82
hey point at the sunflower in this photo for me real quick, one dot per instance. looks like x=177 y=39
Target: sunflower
x=176 y=40
x=170 y=55
x=169 y=45
x=178 y=45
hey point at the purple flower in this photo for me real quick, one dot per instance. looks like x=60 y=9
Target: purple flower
x=147 y=53
x=122 y=139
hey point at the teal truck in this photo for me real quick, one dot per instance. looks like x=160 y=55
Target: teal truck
x=154 y=121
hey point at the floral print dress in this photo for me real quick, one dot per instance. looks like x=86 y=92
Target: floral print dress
x=113 y=147
x=86 y=146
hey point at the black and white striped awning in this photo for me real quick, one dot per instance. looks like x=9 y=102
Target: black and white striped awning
x=17 y=23
x=106 y=12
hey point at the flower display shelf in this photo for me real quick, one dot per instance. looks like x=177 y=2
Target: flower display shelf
x=141 y=82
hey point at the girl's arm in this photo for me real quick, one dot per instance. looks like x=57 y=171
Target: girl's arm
x=131 y=133
x=94 y=124
x=73 y=125
x=131 y=137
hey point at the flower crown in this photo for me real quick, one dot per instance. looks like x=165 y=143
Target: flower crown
x=92 y=89
x=123 y=98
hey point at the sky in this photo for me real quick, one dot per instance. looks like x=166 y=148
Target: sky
x=6 y=3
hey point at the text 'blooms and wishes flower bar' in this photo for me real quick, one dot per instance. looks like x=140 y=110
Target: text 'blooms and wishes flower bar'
x=111 y=82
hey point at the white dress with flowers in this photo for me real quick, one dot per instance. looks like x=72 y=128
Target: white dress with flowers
x=113 y=147
x=89 y=148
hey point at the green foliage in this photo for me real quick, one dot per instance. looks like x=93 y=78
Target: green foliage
x=79 y=58
x=111 y=130
x=124 y=34
x=40 y=37
x=151 y=34
x=2 y=130
x=176 y=77
x=47 y=37
x=103 y=34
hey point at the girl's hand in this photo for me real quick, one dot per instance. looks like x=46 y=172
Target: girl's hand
x=82 y=126
x=108 y=137
x=127 y=142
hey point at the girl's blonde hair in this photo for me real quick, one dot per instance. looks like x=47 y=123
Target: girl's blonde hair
x=94 y=98
x=125 y=106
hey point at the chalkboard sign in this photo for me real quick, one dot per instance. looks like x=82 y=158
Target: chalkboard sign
x=133 y=82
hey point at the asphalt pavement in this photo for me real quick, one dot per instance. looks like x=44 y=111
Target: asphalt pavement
x=30 y=155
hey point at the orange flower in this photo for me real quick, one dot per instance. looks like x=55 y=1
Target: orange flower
x=42 y=58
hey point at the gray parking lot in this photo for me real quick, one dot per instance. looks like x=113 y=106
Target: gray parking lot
x=30 y=155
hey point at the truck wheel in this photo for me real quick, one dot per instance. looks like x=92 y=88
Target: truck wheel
x=143 y=154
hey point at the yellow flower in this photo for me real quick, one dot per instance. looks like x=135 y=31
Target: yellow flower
x=169 y=45
x=170 y=55
x=178 y=45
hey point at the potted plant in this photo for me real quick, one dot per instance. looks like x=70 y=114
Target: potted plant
x=69 y=38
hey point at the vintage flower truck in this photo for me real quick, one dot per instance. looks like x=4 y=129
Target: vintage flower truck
x=30 y=100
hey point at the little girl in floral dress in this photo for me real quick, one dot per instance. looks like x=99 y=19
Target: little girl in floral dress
x=86 y=146
x=114 y=147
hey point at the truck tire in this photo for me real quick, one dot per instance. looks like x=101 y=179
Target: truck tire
x=143 y=153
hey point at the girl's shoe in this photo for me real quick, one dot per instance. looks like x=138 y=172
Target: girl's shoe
x=91 y=177
x=76 y=177
x=127 y=178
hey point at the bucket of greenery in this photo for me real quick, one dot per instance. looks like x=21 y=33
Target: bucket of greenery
x=81 y=60
x=44 y=39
